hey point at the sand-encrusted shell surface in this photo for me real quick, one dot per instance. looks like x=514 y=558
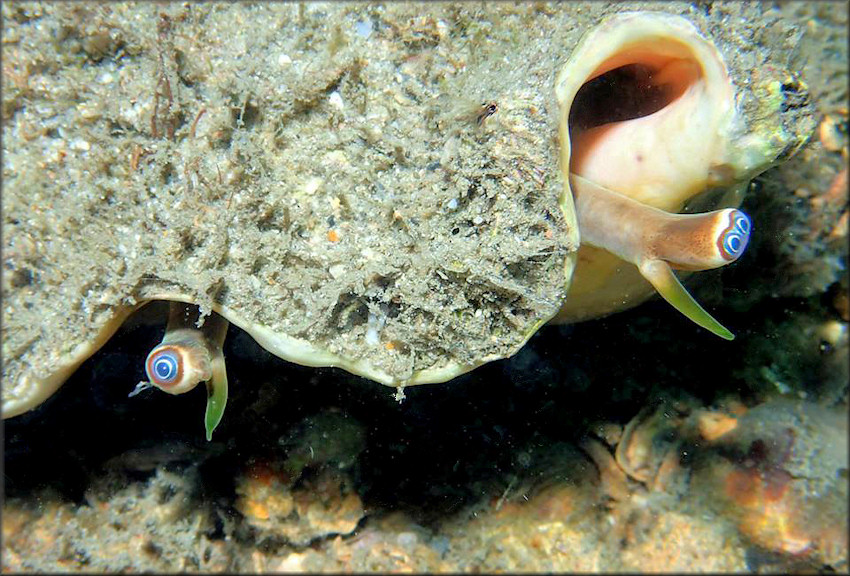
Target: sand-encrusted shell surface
x=328 y=181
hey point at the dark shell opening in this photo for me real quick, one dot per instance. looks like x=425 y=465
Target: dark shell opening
x=633 y=83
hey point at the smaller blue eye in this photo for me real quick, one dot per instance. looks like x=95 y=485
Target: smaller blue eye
x=164 y=367
x=742 y=223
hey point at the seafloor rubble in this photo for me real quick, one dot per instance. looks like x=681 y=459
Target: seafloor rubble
x=632 y=443
x=680 y=487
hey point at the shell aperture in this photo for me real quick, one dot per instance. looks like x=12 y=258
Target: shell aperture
x=648 y=121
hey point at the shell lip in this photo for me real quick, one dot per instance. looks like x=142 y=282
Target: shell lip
x=38 y=387
x=647 y=108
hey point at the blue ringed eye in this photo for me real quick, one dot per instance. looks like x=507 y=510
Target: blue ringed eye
x=742 y=223
x=733 y=244
x=164 y=368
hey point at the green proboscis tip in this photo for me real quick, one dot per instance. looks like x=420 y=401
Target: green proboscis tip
x=216 y=396
x=659 y=274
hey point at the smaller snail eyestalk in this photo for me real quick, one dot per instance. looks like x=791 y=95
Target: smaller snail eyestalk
x=657 y=242
x=188 y=356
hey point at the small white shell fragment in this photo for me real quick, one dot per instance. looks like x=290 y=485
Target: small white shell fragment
x=337 y=270
x=402 y=99
x=284 y=60
x=372 y=336
x=89 y=110
x=449 y=150
x=372 y=133
x=337 y=158
x=363 y=28
x=80 y=144
x=336 y=100
x=313 y=184
x=374 y=326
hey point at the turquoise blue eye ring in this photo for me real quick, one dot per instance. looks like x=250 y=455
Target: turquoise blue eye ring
x=733 y=241
x=164 y=366
x=742 y=223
